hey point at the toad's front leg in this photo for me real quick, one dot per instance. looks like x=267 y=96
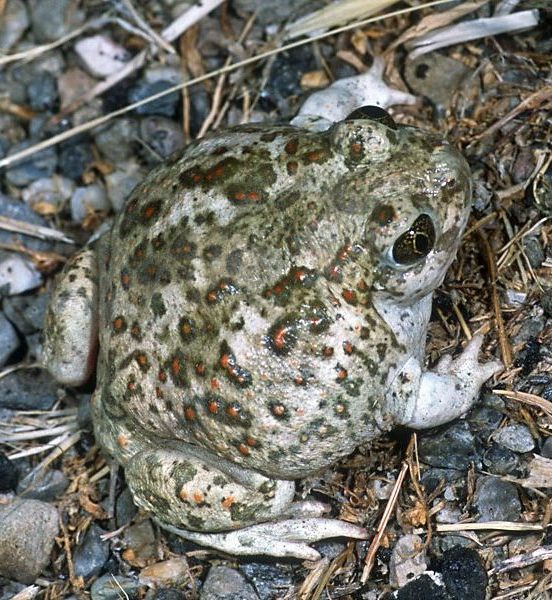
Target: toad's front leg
x=422 y=399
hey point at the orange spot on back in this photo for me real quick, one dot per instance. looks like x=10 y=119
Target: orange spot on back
x=228 y=501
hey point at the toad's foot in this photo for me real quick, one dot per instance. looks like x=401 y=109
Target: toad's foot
x=445 y=394
x=288 y=538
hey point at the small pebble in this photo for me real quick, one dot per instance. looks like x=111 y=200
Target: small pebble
x=533 y=251
x=91 y=554
x=499 y=460
x=42 y=92
x=28 y=389
x=516 y=437
x=116 y=141
x=161 y=135
x=408 y=560
x=224 y=583
x=172 y=572
x=27 y=534
x=101 y=56
x=9 y=340
x=496 y=500
x=73 y=84
x=17 y=274
x=269 y=579
x=52 y=19
x=15 y=209
x=48 y=195
x=13 y=24
x=41 y=164
x=125 y=509
x=436 y=77
x=165 y=106
x=88 y=199
x=115 y=587
x=75 y=158
x=269 y=13
x=121 y=182
x=8 y=474
x=44 y=486
x=27 y=312
x=546 y=451
x=140 y=540
x=451 y=448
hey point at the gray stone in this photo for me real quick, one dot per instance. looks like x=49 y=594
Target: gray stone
x=223 y=583
x=53 y=191
x=114 y=587
x=88 y=199
x=408 y=560
x=27 y=532
x=38 y=165
x=435 y=76
x=46 y=486
x=269 y=13
x=121 y=182
x=499 y=460
x=13 y=23
x=9 y=342
x=547 y=448
x=116 y=141
x=161 y=135
x=52 y=19
x=92 y=554
x=515 y=437
x=164 y=106
x=26 y=312
x=496 y=500
x=42 y=91
x=17 y=274
x=125 y=509
x=451 y=448
x=533 y=251
x=14 y=209
x=28 y=389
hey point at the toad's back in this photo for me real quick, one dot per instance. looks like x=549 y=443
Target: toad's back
x=235 y=309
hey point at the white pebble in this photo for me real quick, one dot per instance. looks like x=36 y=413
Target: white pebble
x=101 y=55
x=17 y=275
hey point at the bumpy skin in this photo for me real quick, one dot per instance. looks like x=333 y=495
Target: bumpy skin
x=258 y=319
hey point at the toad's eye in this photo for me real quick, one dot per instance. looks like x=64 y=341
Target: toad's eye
x=372 y=113
x=415 y=243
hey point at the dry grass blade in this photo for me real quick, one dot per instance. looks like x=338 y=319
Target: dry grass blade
x=524 y=560
x=374 y=546
x=505 y=348
x=145 y=26
x=529 y=103
x=27 y=594
x=473 y=30
x=335 y=14
x=436 y=20
x=488 y=526
x=526 y=398
x=37 y=231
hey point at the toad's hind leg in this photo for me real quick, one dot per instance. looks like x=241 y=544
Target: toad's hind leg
x=71 y=325
x=194 y=494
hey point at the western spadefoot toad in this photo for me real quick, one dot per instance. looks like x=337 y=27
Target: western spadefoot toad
x=262 y=304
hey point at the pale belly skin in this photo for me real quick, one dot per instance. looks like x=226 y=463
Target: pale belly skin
x=260 y=308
